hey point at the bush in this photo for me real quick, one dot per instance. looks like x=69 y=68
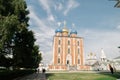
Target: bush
x=10 y=75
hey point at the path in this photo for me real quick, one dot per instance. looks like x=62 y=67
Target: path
x=34 y=76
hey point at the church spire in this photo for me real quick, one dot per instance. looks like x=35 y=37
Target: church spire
x=58 y=31
x=65 y=30
x=103 y=56
x=73 y=32
x=64 y=24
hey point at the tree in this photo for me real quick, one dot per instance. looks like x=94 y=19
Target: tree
x=14 y=29
x=119 y=47
x=25 y=52
x=35 y=52
x=8 y=23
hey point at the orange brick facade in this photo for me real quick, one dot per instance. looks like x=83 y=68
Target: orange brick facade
x=68 y=51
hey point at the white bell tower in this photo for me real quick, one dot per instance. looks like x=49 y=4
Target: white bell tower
x=103 y=56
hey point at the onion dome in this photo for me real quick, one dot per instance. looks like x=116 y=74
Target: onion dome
x=58 y=30
x=73 y=32
x=65 y=30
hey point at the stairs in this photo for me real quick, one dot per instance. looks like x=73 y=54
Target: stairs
x=72 y=68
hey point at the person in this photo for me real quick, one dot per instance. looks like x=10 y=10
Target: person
x=111 y=69
x=38 y=70
x=43 y=70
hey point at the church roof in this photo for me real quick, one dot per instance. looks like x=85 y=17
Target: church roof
x=117 y=57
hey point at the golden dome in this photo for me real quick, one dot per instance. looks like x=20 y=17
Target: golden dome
x=65 y=30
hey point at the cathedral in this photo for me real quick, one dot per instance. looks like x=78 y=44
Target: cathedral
x=68 y=51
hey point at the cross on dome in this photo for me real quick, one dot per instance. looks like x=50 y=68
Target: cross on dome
x=58 y=30
x=59 y=23
x=64 y=23
x=73 y=31
x=73 y=25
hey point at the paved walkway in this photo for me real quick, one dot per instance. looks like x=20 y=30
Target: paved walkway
x=34 y=76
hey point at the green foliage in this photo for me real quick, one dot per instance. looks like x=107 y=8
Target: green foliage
x=14 y=30
x=25 y=52
x=7 y=62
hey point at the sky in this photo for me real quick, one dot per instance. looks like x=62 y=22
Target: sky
x=97 y=21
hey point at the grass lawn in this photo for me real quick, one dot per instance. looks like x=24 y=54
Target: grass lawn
x=82 y=76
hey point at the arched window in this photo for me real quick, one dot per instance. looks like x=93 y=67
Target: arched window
x=68 y=62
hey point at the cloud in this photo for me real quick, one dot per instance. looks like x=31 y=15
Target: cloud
x=65 y=6
x=51 y=18
x=94 y=40
x=43 y=32
x=118 y=27
x=46 y=5
x=59 y=6
x=70 y=5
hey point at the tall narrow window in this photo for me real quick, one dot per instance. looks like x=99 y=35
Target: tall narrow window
x=59 y=42
x=78 y=50
x=68 y=42
x=58 y=60
x=78 y=61
x=68 y=50
x=78 y=43
x=59 y=50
